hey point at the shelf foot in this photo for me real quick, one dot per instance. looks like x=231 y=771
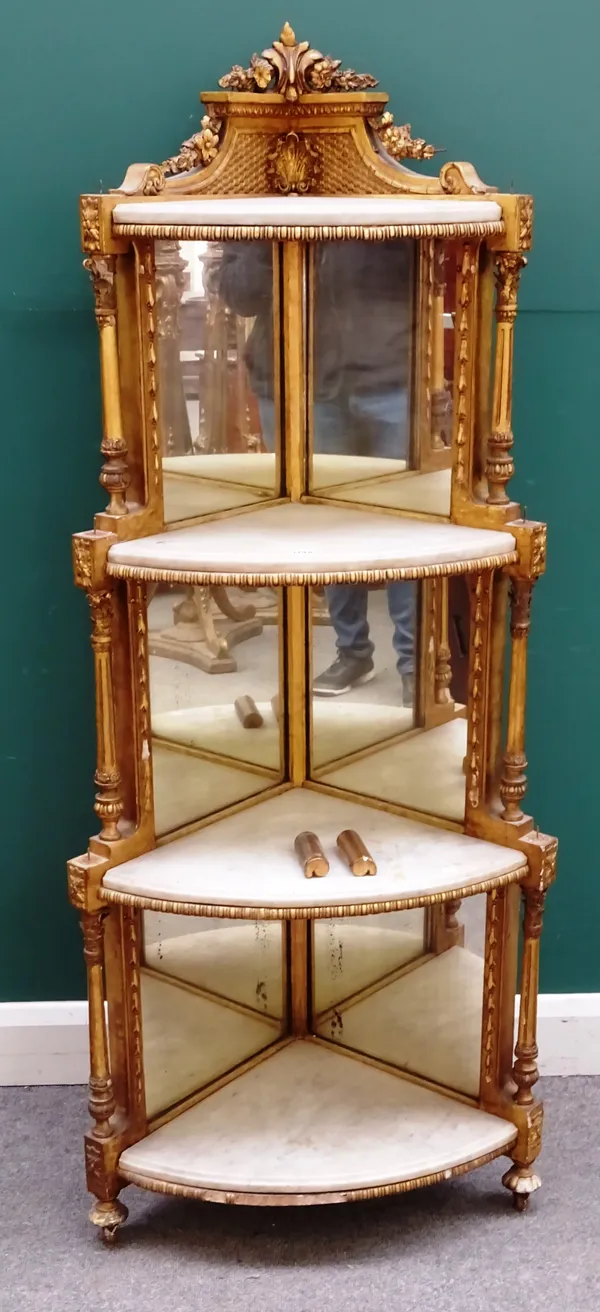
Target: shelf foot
x=108 y=1217
x=522 y=1182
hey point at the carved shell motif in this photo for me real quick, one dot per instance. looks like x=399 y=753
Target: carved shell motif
x=294 y=166
x=292 y=68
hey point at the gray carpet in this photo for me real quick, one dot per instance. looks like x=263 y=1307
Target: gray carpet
x=457 y=1247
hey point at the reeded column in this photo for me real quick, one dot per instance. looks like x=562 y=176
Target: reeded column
x=441 y=414
x=513 y=781
x=525 y=1069
x=443 y=668
x=499 y=465
x=114 y=476
x=109 y=803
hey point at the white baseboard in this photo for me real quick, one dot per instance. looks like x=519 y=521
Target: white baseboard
x=47 y=1042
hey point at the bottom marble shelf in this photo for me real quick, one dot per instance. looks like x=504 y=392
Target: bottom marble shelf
x=311 y=1124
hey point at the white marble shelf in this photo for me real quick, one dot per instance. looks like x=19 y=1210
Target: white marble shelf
x=282 y=215
x=247 y=864
x=293 y=543
x=312 y=1121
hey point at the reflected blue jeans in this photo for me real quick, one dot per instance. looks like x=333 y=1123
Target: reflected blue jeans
x=374 y=424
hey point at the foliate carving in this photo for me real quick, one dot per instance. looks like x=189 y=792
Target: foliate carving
x=196 y=152
x=138 y=612
x=294 y=165
x=77 y=884
x=151 y=360
x=468 y=268
x=538 y=549
x=89 y=212
x=525 y=221
x=461 y=179
x=292 y=68
x=548 y=871
x=475 y=753
x=493 y=957
x=102 y=273
x=83 y=553
x=397 y=140
x=132 y=957
x=534 y=1133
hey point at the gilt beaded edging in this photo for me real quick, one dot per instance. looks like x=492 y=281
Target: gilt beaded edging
x=318 y=578
x=286 y=232
x=294 y=1200
x=225 y=912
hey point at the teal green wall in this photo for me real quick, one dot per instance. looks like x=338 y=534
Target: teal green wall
x=86 y=92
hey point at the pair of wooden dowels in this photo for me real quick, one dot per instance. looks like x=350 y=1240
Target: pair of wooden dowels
x=355 y=853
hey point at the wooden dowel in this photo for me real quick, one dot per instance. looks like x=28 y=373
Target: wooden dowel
x=311 y=855
x=356 y=853
x=248 y=713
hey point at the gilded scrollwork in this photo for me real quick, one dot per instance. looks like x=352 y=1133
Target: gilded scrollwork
x=292 y=68
x=461 y=179
x=396 y=139
x=294 y=165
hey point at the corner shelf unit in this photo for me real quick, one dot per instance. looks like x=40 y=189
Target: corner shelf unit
x=307 y=445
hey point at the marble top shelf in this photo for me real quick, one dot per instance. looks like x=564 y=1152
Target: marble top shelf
x=311 y=217
x=245 y=865
x=308 y=1120
x=294 y=543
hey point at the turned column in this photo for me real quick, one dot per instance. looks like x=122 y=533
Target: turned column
x=101 y=1100
x=525 y=1069
x=109 y=803
x=443 y=668
x=513 y=781
x=499 y=463
x=114 y=476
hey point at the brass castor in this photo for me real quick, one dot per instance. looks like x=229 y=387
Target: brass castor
x=108 y=1217
x=523 y=1183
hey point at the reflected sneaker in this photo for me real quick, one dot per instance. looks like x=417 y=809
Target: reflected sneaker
x=408 y=690
x=346 y=673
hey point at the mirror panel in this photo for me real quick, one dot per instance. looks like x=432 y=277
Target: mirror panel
x=389 y=691
x=426 y=1016
x=212 y=996
x=216 y=305
x=353 y=954
x=215 y=660
x=380 y=376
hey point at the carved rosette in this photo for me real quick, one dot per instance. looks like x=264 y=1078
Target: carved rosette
x=294 y=166
x=291 y=68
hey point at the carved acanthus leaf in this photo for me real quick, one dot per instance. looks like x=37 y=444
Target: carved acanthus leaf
x=397 y=140
x=292 y=68
x=294 y=165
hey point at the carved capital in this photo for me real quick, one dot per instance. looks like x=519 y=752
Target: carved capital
x=101 y=269
x=534 y=899
x=521 y=591
x=101 y=607
x=508 y=273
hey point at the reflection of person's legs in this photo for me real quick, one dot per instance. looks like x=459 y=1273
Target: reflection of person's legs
x=266 y=409
x=402 y=606
x=347 y=604
x=383 y=418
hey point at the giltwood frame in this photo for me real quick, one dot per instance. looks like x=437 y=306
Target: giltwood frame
x=345 y=143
